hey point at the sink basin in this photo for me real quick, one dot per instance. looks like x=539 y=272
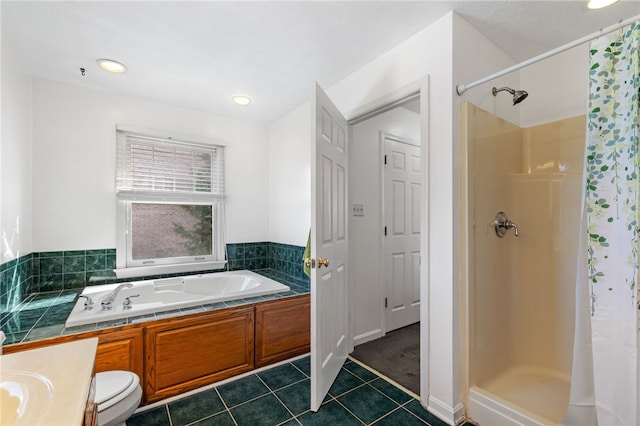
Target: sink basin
x=25 y=397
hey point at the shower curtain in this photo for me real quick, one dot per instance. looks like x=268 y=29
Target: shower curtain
x=605 y=380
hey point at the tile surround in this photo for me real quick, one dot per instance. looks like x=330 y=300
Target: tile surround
x=75 y=269
x=42 y=315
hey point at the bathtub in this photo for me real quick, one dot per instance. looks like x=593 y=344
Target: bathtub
x=166 y=294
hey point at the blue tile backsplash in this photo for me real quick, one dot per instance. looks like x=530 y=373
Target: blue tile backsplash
x=68 y=270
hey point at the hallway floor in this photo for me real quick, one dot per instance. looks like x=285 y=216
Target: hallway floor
x=280 y=396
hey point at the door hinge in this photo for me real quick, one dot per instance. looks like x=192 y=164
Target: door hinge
x=385 y=302
x=385 y=159
x=385 y=231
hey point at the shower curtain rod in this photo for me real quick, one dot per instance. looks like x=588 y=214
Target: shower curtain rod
x=461 y=88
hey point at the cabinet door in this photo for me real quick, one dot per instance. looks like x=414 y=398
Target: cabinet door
x=282 y=329
x=184 y=354
x=120 y=350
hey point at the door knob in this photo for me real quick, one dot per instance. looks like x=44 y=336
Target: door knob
x=323 y=262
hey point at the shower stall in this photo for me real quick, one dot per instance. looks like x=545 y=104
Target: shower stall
x=523 y=212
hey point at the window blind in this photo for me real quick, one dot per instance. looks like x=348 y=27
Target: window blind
x=152 y=167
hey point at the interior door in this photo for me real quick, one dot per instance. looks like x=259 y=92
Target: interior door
x=402 y=187
x=329 y=292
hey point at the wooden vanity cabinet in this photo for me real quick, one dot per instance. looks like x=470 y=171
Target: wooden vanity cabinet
x=282 y=329
x=185 y=353
x=91 y=410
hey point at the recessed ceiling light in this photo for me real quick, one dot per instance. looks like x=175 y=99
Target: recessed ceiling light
x=241 y=99
x=111 y=65
x=599 y=4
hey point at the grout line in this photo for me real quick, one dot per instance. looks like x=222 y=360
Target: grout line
x=226 y=407
x=387 y=414
x=349 y=411
x=276 y=396
x=415 y=415
x=168 y=414
x=386 y=378
x=217 y=384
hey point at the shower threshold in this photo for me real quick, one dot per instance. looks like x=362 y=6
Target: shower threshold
x=540 y=396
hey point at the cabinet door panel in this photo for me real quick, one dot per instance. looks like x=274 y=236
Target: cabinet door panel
x=186 y=354
x=121 y=350
x=282 y=329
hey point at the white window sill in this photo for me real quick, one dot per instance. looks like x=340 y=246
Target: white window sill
x=144 y=271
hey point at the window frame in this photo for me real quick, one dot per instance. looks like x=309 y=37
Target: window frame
x=125 y=265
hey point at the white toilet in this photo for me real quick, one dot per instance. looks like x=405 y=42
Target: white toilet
x=118 y=394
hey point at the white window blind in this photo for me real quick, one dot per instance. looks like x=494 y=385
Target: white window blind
x=151 y=167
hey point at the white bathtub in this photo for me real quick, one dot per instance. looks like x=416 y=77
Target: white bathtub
x=171 y=293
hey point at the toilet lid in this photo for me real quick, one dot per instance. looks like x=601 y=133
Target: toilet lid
x=110 y=384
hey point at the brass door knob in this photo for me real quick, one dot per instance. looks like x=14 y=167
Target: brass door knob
x=323 y=262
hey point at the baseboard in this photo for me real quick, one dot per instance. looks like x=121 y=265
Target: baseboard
x=367 y=337
x=446 y=413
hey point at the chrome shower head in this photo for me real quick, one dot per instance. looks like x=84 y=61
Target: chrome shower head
x=518 y=95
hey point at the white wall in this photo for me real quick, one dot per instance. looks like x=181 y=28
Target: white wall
x=74 y=163
x=15 y=157
x=429 y=52
x=365 y=232
x=290 y=177
x=558 y=87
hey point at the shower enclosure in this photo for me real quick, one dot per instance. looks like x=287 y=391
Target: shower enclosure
x=520 y=293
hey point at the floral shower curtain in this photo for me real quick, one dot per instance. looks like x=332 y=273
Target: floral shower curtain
x=605 y=381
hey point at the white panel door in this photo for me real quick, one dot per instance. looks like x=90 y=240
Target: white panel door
x=329 y=292
x=402 y=177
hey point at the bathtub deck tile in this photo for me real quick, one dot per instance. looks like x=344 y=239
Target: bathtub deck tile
x=113 y=323
x=142 y=318
x=192 y=309
x=45 y=310
x=45 y=332
x=168 y=314
x=213 y=306
x=79 y=328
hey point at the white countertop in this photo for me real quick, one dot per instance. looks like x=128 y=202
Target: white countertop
x=58 y=399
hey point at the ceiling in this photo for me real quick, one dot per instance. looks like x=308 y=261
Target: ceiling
x=197 y=54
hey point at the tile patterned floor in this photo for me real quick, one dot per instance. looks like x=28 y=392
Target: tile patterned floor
x=280 y=396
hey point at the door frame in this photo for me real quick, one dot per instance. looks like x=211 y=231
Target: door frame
x=418 y=88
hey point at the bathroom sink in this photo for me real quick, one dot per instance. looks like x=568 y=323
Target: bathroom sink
x=25 y=397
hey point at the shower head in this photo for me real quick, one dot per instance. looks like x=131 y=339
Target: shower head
x=518 y=95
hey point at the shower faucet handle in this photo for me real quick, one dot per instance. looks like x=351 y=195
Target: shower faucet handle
x=502 y=223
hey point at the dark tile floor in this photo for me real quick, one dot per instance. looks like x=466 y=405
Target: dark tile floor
x=280 y=396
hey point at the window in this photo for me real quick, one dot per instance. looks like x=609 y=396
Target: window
x=170 y=198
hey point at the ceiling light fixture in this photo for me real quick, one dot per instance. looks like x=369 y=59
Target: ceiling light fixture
x=241 y=99
x=599 y=4
x=111 y=65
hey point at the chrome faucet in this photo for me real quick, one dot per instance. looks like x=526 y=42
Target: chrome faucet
x=106 y=303
x=88 y=303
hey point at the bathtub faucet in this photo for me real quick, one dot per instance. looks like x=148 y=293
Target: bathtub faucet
x=106 y=303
